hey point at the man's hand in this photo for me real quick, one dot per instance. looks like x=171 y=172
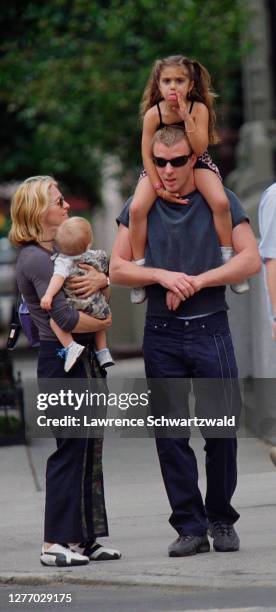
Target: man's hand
x=179 y=283
x=90 y=282
x=172 y=300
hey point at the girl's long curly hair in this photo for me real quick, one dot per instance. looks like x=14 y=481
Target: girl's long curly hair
x=201 y=91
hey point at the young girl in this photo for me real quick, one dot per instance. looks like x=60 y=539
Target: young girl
x=177 y=93
x=74 y=239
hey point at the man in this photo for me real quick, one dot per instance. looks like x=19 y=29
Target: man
x=187 y=333
x=267 y=247
x=267 y=223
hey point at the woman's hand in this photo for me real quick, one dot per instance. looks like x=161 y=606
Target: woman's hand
x=92 y=281
x=171 y=197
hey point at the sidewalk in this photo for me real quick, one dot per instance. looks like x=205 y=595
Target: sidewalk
x=138 y=519
x=138 y=513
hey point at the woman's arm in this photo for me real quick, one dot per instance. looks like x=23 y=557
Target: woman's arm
x=89 y=324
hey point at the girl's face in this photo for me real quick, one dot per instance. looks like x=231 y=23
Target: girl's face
x=173 y=80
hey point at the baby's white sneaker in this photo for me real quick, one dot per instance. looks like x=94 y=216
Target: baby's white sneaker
x=105 y=358
x=72 y=354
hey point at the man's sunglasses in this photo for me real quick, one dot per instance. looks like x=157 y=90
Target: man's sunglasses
x=176 y=162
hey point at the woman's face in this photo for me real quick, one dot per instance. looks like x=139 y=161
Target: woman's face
x=57 y=210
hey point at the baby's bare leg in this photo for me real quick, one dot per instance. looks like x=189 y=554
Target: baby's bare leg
x=102 y=351
x=100 y=340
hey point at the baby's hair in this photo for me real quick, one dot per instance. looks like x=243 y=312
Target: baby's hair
x=170 y=135
x=74 y=236
x=200 y=92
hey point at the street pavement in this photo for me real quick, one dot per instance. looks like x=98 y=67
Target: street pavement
x=138 y=513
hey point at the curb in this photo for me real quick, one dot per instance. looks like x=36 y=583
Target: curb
x=123 y=581
x=52 y=579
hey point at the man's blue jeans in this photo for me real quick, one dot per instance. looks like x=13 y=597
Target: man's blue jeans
x=199 y=349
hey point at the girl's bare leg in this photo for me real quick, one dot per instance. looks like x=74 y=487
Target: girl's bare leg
x=141 y=204
x=211 y=187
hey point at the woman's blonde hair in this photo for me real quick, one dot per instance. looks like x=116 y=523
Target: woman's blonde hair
x=29 y=202
x=200 y=92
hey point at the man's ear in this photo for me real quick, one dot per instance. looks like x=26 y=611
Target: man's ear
x=193 y=159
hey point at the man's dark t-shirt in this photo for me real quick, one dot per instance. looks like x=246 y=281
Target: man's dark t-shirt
x=182 y=238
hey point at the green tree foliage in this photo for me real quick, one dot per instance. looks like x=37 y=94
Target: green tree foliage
x=73 y=72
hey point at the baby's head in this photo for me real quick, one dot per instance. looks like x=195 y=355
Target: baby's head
x=74 y=236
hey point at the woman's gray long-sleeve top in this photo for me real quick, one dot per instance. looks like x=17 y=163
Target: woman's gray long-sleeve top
x=34 y=270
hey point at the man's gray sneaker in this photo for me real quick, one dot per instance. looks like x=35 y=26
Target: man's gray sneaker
x=225 y=538
x=187 y=545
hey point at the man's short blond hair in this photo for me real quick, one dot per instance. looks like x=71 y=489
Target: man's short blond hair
x=170 y=135
x=74 y=236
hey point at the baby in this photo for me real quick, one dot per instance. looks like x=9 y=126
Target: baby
x=74 y=239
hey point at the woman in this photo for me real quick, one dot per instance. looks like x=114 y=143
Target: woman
x=75 y=508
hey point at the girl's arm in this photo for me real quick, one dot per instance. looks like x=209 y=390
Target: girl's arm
x=196 y=125
x=55 y=284
x=150 y=125
x=151 y=122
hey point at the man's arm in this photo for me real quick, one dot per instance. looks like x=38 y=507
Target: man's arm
x=245 y=263
x=270 y=269
x=124 y=272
